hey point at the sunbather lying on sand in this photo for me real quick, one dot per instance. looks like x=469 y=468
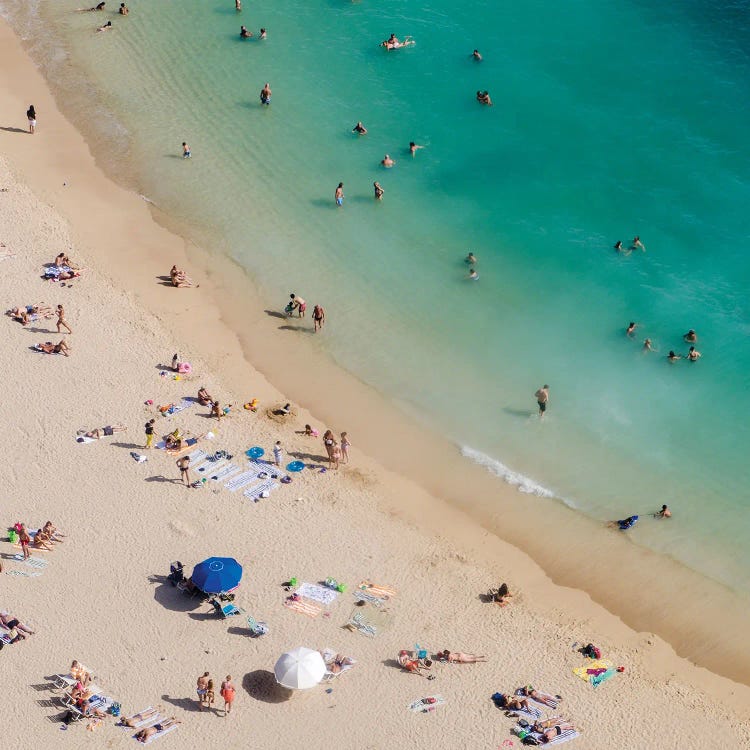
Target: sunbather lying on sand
x=149 y=713
x=49 y=348
x=551 y=731
x=412 y=664
x=63 y=273
x=107 y=431
x=8 y=621
x=179 y=278
x=457 y=657
x=27 y=313
x=144 y=734
x=544 y=698
x=511 y=702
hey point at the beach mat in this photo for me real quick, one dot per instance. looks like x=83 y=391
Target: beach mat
x=593 y=664
x=419 y=706
x=368 y=620
x=320 y=594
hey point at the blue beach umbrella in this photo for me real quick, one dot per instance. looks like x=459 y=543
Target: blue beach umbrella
x=217 y=574
x=255 y=452
x=295 y=466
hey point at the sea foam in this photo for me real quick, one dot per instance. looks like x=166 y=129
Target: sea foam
x=521 y=482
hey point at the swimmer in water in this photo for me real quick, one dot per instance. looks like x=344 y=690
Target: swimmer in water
x=393 y=42
x=359 y=129
x=244 y=33
x=663 y=513
x=618 y=246
x=263 y=34
x=693 y=355
x=339 y=195
x=470 y=258
x=124 y=10
x=265 y=95
x=107 y=26
x=387 y=162
x=637 y=244
x=690 y=337
x=631 y=329
x=473 y=275
x=672 y=357
x=647 y=346
x=378 y=191
x=413 y=148
x=475 y=54
x=484 y=98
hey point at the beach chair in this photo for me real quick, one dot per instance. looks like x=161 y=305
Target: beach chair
x=226 y=610
x=256 y=628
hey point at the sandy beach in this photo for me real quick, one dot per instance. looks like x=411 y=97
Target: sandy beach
x=102 y=597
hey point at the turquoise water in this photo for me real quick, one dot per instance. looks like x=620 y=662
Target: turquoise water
x=609 y=120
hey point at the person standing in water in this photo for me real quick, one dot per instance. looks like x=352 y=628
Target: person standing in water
x=378 y=191
x=631 y=329
x=663 y=513
x=238 y=5
x=637 y=244
x=265 y=95
x=693 y=355
x=124 y=10
x=359 y=129
x=690 y=337
x=473 y=275
x=542 y=399
x=185 y=150
x=263 y=34
x=413 y=148
x=470 y=258
x=339 y=194
x=31 y=117
x=244 y=33
x=387 y=162
x=475 y=54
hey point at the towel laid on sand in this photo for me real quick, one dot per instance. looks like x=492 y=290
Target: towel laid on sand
x=591 y=668
x=329 y=657
x=426 y=705
x=309 y=609
x=321 y=594
x=368 y=620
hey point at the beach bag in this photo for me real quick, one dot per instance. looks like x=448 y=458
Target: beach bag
x=13 y=536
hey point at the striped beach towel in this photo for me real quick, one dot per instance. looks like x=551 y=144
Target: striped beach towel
x=241 y=480
x=224 y=472
x=309 y=609
x=268 y=485
x=552 y=701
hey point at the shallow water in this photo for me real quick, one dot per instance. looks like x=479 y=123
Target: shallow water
x=609 y=120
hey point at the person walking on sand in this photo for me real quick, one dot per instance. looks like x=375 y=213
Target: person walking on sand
x=186 y=153
x=61 y=322
x=278 y=453
x=319 y=317
x=344 y=448
x=227 y=692
x=202 y=688
x=339 y=194
x=542 y=399
x=210 y=695
x=184 y=466
x=329 y=441
x=149 y=427
x=31 y=117
x=25 y=540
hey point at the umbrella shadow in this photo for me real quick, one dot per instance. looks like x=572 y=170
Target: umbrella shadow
x=170 y=597
x=204 y=616
x=261 y=685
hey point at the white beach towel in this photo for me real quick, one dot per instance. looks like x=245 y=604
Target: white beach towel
x=224 y=471
x=241 y=480
x=321 y=594
x=82 y=439
x=419 y=706
x=23 y=573
x=329 y=655
x=568 y=734
x=143 y=722
x=268 y=485
x=552 y=701
x=208 y=467
x=36 y=562
x=533 y=712
x=197 y=455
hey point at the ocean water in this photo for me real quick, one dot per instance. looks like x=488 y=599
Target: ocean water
x=610 y=120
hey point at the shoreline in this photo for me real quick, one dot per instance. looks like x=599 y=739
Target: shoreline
x=139 y=257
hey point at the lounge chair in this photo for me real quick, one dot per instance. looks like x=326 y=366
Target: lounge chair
x=256 y=628
x=226 y=610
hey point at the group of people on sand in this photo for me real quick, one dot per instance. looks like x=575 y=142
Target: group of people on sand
x=691 y=337
x=206 y=692
x=298 y=305
x=178 y=277
x=338 y=452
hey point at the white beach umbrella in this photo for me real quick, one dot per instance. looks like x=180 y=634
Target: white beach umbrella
x=300 y=668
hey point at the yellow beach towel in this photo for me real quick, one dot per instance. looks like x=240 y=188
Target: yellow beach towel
x=582 y=672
